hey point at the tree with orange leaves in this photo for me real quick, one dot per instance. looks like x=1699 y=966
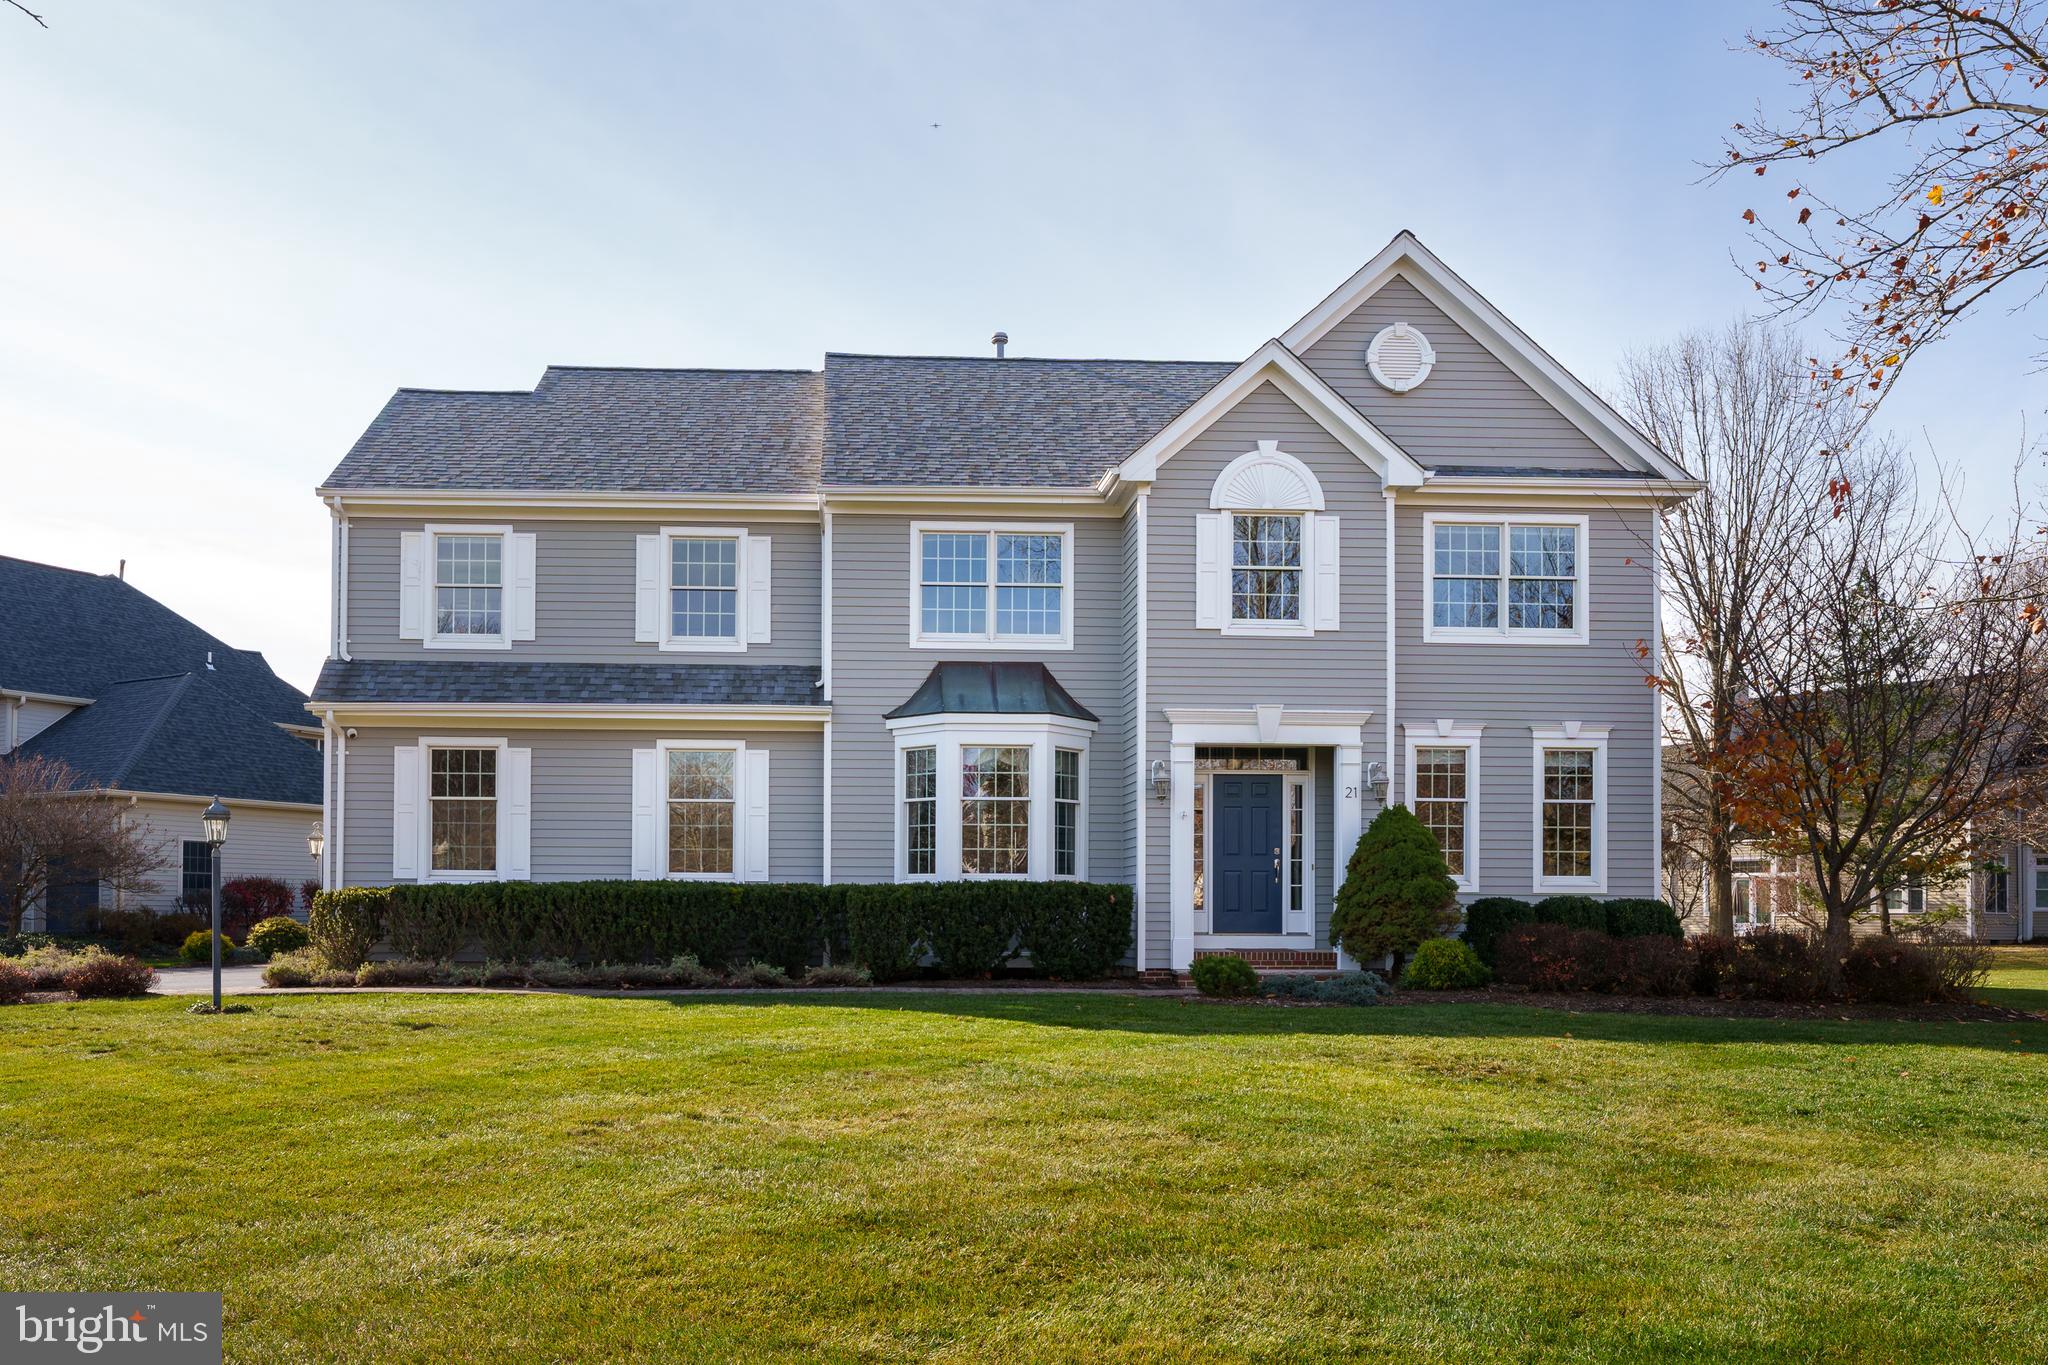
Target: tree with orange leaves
x=1957 y=94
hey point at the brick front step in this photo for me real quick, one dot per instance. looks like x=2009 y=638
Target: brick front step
x=1292 y=959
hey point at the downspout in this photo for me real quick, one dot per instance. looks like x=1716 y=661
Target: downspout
x=326 y=795
x=335 y=840
x=1140 y=727
x=1656 y=707
x=339 y=611
x=1387 y=495
x=825 y=672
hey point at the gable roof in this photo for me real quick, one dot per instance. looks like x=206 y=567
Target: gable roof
x=1407 y=257
x=66 y=633
x=1273 y=363
x=985 y=423
x=181 y=733
x=600 y=430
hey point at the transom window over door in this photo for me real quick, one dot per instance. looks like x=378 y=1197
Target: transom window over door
x=1265 y=568
x=701 y=800
x=1520 y=579
x=991 y=584
x=469 y=585
x=463 y=794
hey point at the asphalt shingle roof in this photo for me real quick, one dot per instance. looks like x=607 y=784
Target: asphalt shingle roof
x=72 y=634
x=864 y=421
x=986 y=423
x=601 y=430
x=181 y=733
x=482 y=681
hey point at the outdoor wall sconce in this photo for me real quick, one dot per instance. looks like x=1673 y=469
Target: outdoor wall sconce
x=1376 y=778
x=1160 y=783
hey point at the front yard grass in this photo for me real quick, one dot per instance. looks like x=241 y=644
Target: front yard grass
x=2019 y=977
x=425 y=1178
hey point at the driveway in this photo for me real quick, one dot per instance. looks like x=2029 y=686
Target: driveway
x=242 y=980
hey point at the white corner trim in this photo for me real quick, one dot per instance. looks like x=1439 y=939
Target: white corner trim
x=1451 y=734
x=1266 y=479
x=1407 y=257
x=1140 y=783
x=1273 y=363
x=1502 y=633
x=988 y=639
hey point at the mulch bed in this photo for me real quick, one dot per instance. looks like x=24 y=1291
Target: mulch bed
x=1713 y=1006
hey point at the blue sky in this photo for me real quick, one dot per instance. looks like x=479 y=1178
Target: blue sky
x=228 y=230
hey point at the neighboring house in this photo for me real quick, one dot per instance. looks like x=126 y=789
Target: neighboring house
x=1176 y=624
x=140 y=702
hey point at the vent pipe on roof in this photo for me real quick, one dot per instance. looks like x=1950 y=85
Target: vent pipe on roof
x=124 y=571
x=1001 y=339
x=209 y=661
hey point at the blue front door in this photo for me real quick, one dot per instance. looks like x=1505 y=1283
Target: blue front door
x=1244 y=852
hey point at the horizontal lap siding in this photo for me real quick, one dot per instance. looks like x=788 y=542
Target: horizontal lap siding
x=1188 y=667
x=583 y=594
x=874 y=670
x=583 y=799
x=1510 y=687
x=1472 y=409
x=31 y=718
x=262 y=842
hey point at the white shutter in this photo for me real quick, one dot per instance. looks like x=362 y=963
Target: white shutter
x=1323 y=597
x=758 y=580
x=1210 y=533
x=520 y=624
x=515 y=814
x=754 y=792
x=647 y=576
x=407 y=791
x=412 y=585
x=646 y=809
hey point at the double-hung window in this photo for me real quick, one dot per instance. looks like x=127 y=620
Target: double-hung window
x=702 y=589
x=921 y=811
x=1505 y=578
x=1571 y=807
x=1909 y=899
x=1004 y=586
x=195 y=886
x=462 y=796
x=702 y=791
x=466 y=586
x=1066 y=812
x=1265 y=568
x=1443 y=791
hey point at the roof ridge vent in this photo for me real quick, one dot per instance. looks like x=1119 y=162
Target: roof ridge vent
x=1000 y=340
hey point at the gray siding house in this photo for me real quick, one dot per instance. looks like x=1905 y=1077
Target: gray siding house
x=1186 y=625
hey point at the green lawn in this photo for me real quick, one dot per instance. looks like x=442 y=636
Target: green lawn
x=426 y=1178
x=2019 y=978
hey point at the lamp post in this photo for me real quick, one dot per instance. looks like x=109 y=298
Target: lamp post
x=214 y=820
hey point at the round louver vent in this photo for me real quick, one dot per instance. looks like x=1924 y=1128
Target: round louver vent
x=1400 y=357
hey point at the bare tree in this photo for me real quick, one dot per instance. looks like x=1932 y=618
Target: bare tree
x=1735 y=407
x=40 y=21
x=1897 y=697
x=1955 y=94
x=54 y=829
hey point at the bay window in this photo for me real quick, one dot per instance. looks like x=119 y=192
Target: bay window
x=991 y=797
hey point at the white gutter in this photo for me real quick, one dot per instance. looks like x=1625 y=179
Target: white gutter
x=825 y=873
x=383 y=712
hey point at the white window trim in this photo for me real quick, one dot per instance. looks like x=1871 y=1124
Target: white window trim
x=434 y=639
x=427 y=744
x=1582 y=593
x=1306 y=778
x=1570 y=735
x=1451 y=734
x=738 y=748
x=949 y=734
x=1304 y=624
x=987 y=638
x=698 y=644
x=1269 y=482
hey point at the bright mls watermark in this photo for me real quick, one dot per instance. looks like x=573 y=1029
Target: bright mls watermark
x=166 y=1329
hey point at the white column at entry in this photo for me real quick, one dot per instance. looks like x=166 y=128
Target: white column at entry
x=1181 y=843
x=1350 y=822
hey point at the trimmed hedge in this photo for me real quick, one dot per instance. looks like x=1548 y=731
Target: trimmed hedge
x=1071 y=930
x=1490 y=917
